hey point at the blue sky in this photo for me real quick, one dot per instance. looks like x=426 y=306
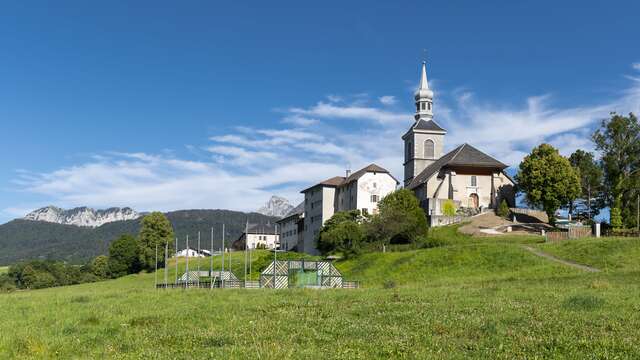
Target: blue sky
x=165 y=105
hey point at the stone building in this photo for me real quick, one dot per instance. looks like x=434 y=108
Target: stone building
x=465 y=175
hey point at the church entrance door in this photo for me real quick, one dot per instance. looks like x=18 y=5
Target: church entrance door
x=474 y=201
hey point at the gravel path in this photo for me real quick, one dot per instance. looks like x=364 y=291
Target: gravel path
x=560 y=261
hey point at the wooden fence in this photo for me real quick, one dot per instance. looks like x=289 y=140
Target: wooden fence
x=573 y=232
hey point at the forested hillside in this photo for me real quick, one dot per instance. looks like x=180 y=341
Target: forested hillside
x=25 y=239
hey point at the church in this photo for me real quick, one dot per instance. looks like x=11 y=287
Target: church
x=471 y=179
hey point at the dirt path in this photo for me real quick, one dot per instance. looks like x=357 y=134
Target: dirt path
x=560 y=261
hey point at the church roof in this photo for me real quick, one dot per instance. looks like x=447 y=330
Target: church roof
x=427 y=125
x=338 y=181
x=463 y=155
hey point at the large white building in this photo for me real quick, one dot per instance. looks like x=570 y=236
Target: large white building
x=465 y=175
x=361 y=190
x=260 y=236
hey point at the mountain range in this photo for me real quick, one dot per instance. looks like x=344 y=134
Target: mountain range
x=82 y=216
x=44 y=238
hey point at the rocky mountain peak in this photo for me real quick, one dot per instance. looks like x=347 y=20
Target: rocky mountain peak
x=82 y=216
x=276 y=206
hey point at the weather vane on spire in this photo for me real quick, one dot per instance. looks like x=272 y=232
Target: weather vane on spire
x=424 y=55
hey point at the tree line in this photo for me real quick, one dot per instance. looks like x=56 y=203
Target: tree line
x=127 y=255
x=584 y=183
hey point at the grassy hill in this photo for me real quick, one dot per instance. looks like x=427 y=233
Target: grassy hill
x=24 y=239
x=472 y=298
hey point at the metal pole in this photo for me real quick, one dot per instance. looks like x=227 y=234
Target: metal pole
x=211 y=266
x=638 y=214
x=589 y=202
x=221 y=274
x=176 y=256
x=246 y=245
x=156 y=273
x=275 y=259
x=199 y=254
x=166 y=260
x=187 y=269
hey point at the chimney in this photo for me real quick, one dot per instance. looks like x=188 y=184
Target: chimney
x=348 y=173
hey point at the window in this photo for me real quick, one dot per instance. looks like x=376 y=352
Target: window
x=409 y=150
x=474 y=180
x=424 y=106
x=365 y=211
x=374 y=198
x=429 y=106
x=429 y=147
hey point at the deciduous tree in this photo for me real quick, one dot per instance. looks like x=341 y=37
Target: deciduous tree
x=156 y=230
x=548 y=179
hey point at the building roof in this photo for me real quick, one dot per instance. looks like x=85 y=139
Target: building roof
x=338 y=181
x=429 y=125
x=264 y=229
x=463 y=155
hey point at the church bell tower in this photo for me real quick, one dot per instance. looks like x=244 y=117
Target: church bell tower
x=424 y=141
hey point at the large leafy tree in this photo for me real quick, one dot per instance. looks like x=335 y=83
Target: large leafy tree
x=124 y=256
x=400 y=218
x=548 y=179
x=341 y=233
x=156 y=230
x=618 y=139
x=590 y=180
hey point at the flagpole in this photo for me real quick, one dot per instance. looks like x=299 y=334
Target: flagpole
x=187 y=270
x=211 y=265
x=223 y=250
x=156 y=274
x=246 y=245
x=166 y=265
x=176 y=256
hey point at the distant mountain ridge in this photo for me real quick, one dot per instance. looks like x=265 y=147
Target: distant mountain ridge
x=82 y=216
x=22 y=239
x=276 y=206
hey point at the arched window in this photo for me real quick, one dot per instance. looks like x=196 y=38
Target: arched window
x=429 y=149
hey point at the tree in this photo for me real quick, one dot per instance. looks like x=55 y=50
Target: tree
x=503 y=209
x=341 y=233
x=124 y=256
x=548 y=179
x=400 y=219
x=615 y=218
x=156 y=230
x=100 y=266
x=590 y=180
x=618 y=140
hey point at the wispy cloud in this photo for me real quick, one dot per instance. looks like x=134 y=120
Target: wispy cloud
x=387 y=100
x=636 y=66
x=246 y=165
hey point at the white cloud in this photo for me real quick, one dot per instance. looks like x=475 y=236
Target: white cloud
x=636 y=66
x=387 y=100
x=247 y=165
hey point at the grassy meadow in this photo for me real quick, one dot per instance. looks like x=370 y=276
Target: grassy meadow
x=481 y=298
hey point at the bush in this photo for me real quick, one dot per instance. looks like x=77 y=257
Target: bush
x=100 y=266
x=400 y=219
x=431 y=241
x=449 y=208
x=503 y=209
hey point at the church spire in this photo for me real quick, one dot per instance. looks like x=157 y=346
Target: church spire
x=424 y=97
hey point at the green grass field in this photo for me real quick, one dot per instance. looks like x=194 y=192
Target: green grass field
x=480 y=298
x=4 y=269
